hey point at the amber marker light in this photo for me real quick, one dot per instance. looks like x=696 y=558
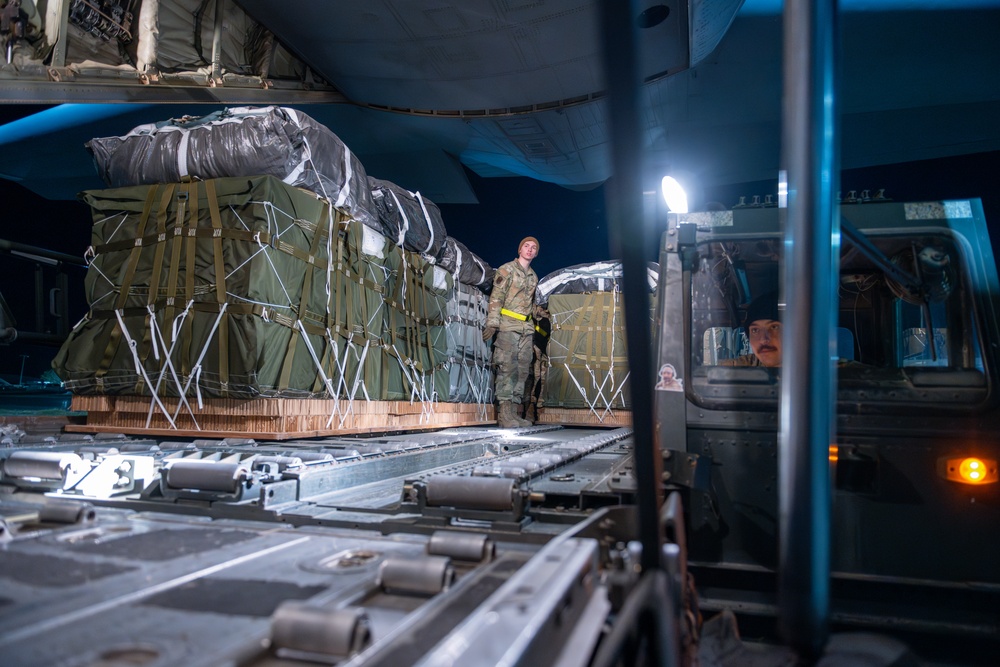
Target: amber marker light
x=834 y=453
x=971 y=470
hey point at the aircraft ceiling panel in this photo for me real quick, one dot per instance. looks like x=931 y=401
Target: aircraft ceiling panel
x=478 y=54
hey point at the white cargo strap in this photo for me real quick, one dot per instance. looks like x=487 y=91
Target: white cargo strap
x=356 y=384
x=195 y=375
x=600 y=387
x=406 y=221
x=427 y=217
x=418 y=390
x=297 y=171
x=358 y=375
x=583 y=392
x=316 y=362
x=459 y=256
x=138 y=365
x=426 y=400
x=307 y=159
x=339 y=366
x=329 y=263
x=617 y=393
x=168 y=364
x=267 y=256
x=182 y=153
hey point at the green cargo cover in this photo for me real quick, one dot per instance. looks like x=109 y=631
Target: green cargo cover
x=231 y=280
x=587 y=352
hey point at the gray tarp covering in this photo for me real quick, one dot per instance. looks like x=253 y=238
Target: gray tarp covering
x=408 y=218
x=465 y=266
x=583 y=278
x=242 y=141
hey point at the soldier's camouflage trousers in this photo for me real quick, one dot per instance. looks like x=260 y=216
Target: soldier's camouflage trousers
x=512 y=358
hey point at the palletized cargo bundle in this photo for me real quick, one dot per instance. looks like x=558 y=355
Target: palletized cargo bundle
x=241 y=141
x=587 y=353
x=245 y=287
x=465 y=266
x=588 y=358
x=417 y=297
x=469 y=370
x=592 y=277
x=409 y=219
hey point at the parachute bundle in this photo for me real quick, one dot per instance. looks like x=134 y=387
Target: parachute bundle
x=249 y=287
x=241 y=141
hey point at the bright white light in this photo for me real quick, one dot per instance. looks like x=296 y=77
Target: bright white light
x=674 y=195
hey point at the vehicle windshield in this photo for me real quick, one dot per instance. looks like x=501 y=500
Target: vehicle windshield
x=906 y=321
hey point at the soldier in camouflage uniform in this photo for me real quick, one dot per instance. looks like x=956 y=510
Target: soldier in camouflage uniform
x=510 y=320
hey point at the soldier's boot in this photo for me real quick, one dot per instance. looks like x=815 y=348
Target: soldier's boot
x=506 y=417
x=521 y=421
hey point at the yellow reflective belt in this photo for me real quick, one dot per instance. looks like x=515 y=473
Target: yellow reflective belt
x=541 y=331
x=511 y=313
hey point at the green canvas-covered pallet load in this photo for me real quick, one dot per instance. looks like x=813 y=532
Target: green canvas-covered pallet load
x=245 y=286
x=587 y=354
x=588 y=357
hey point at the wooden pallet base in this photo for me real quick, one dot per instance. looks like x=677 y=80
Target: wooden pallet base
x=584 y=417
x=271 y=418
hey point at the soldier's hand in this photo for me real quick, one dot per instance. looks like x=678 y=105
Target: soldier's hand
x=489 y=332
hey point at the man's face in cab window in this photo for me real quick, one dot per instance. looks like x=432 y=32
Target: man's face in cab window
x=765 y=341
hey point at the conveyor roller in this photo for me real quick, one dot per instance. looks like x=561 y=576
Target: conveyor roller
x=425 y=576
x=475 y=493
x=297 y=626
x=462 y=546
x=206 y=476
x=43 y=465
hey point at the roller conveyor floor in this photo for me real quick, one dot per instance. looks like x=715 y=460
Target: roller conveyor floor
x=339 y=551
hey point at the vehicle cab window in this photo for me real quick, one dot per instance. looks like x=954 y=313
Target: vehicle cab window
x=906 y=319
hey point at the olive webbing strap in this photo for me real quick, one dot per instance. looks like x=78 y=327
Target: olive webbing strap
x=340 y=317
x=161 y=237
x=412 y=323
x=574 y=340
x=114 y=338
x=149 y=342
x=325 y=358
x=180 y=210
x=190 y=258
x=133 y=260
x=304 y=296
x=425 y=297
x=220 y=284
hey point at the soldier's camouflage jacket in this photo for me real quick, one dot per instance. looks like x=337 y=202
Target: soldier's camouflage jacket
x=513 y=290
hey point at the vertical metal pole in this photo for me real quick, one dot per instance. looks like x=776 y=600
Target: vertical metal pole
x=59 y=50
x=220 y=16
x=812 y=249
x=626 y=223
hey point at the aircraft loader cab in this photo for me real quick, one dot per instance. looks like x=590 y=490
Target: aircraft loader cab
x=914 y=540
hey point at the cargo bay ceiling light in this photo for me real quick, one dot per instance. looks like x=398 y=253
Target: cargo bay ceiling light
x=674 y=195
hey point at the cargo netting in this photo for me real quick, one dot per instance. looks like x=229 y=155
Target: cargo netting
x=248 y=287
